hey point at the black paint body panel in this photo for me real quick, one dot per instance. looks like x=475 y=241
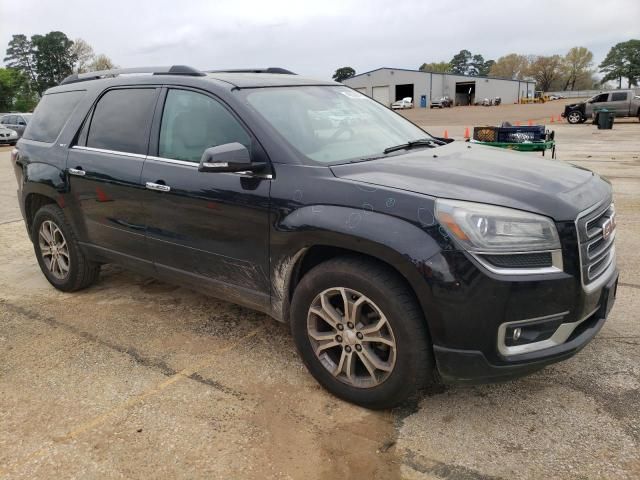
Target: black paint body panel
x=243 y=237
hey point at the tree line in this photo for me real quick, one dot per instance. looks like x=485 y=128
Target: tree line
x=42 y=61
x=572 y=71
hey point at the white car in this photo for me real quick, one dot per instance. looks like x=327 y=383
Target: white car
x=406 y=102
x=8 y=136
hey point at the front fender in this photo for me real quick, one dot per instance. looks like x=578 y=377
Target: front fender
x=403 y=245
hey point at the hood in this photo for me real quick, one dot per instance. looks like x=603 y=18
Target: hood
x=478 y=173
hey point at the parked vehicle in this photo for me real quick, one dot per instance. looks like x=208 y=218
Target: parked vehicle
x=8 y=136
x=396 y=258
x=406 y=102
x=16 y=122
x=623 y=103
x=444 y=102
x=555 y=97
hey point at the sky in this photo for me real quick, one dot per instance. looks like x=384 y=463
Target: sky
x=315 y=38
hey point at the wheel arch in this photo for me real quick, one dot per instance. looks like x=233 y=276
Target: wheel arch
x=390 y=241
x=42 y=184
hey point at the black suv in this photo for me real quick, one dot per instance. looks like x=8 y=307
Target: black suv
x=397 y=259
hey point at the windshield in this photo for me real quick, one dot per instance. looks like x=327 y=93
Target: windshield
x=332 y=125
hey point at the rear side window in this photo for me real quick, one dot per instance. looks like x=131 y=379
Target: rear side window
x=618 y=96
x=121 y=120
x=51 y=114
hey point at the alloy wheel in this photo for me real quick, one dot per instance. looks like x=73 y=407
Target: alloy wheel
x=351 y=337
x=574 y=117
x=54 y=249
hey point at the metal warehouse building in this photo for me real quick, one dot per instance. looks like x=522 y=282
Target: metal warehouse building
x=386 y=85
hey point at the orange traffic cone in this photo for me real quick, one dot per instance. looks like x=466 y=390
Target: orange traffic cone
x=466 y=133
x=552 y=121
x=517 y=124
x=530 y=123
x=559 y=118
x=446 y=134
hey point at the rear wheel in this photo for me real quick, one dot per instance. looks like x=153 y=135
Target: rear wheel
x=575 y=118
x=60 y=258
x=360 y=332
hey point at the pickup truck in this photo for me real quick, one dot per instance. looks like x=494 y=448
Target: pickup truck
x=624 y=103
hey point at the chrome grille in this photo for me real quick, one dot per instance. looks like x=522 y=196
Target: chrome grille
x=596 y=234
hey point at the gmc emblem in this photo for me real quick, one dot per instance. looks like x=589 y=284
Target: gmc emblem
x=608 y=226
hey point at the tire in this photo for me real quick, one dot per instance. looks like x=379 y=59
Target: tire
x=387 y=301
x=49 y=221
x=575 y=117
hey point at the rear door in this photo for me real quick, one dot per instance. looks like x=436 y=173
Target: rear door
x=20 y=125
x=209 y=229
x=619 y=103
x=104 y=169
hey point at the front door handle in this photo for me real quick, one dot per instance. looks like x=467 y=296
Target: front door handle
x=77 y=171
x=158 y=186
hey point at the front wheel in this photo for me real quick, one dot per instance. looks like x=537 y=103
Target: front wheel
x=360 y=332
x=574 y=118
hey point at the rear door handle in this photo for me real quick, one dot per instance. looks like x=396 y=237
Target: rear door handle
x=158 y=186
x=77 y=171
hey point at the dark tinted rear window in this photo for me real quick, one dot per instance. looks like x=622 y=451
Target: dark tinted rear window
x=121 y=120
x=618 y=96
x=51 y=114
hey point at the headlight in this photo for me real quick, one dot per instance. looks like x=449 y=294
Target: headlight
x=482 y=228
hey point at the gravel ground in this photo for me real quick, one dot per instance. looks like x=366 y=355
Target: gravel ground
x=134 y=378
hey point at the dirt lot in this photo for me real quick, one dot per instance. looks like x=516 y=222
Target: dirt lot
x=134 y=378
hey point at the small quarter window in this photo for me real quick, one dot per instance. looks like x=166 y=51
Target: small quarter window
x=193 y=122
x=51 y=114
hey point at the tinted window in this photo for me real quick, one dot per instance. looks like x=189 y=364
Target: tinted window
x=121 y=120
x=618 y=96
x=600 y=98
x=51 y=114
x=192 y=122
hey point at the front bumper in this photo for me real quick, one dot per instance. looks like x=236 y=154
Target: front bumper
x=462 y=366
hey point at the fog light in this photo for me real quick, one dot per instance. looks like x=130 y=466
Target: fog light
x=516 y=334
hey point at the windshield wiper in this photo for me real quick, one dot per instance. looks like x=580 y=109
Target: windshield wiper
x=423 y=142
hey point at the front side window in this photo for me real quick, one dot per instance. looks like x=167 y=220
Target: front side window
x=121 y=120
x=330 y=125
x=619 y=96
x=51 y=114
x=600 y=98
x=193 y=122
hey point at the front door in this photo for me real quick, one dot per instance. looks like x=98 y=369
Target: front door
x=104 y=170
x=206 y=228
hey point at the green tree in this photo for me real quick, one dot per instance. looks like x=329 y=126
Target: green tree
x=546 y=70
x=343 y=73
x=460 y=62
x=20 y=56
x=15 y=93
x=436 y=67
x=622 y=61
x=576 y=64
x=54 y=58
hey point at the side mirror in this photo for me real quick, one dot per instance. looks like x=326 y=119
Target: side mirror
x=230 y=157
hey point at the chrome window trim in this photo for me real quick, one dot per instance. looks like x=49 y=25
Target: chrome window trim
x=556 y=263
x=165 y=160
x=176 y=162
x=562 y=333
x=111 y=152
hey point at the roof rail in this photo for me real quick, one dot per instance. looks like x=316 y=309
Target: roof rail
x=277 y=70
x=172 y=70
